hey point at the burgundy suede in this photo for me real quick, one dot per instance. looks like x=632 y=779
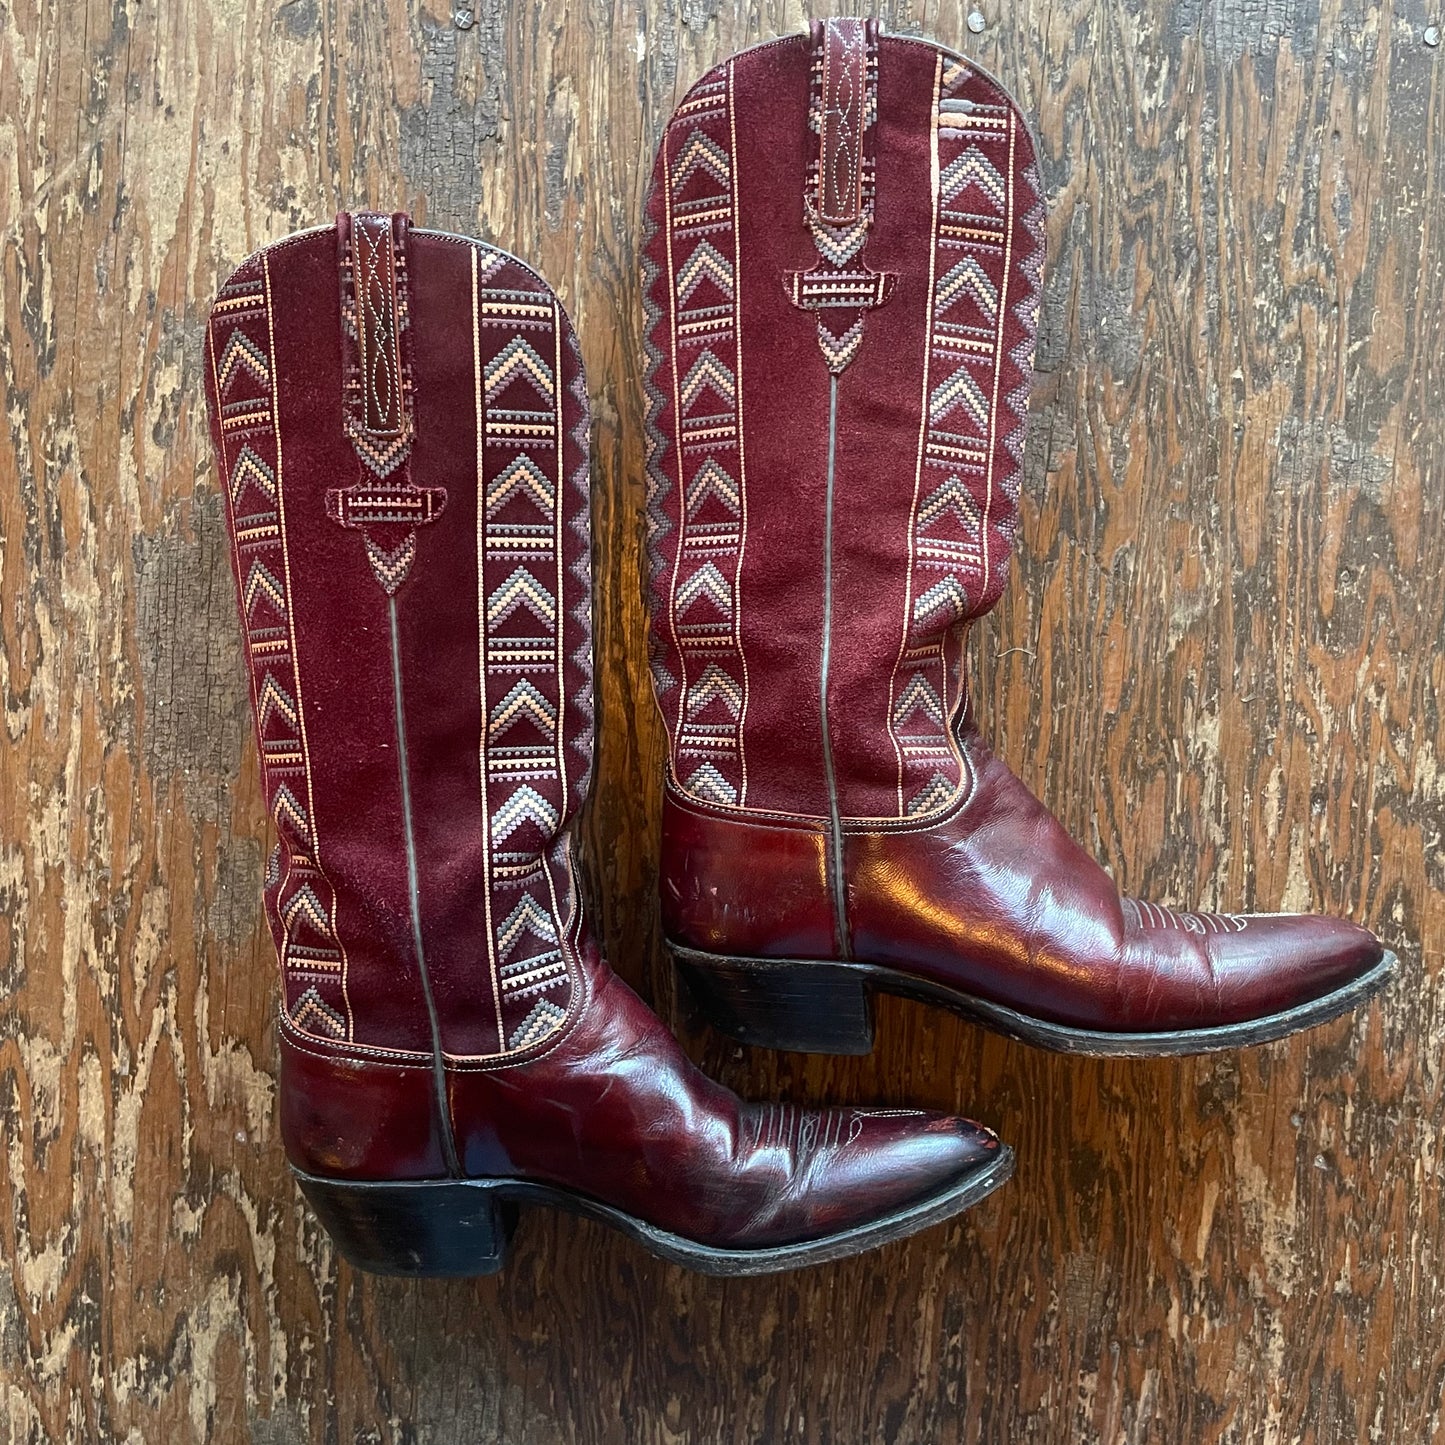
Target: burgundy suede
x=784 y=491
x=755 y=109
x=352 y=796
x=342 y=642
x=401 y=423
x=929 y=857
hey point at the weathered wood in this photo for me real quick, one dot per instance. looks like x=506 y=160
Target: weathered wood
x=1220 y=660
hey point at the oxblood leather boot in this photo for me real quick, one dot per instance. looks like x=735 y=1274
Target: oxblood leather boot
x=842 y=269
x=401 y=423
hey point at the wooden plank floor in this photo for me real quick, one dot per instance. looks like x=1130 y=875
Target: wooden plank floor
x=1220 y=660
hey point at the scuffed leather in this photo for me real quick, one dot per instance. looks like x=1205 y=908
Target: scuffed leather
x=617 y=1112
x=606 y=1104
x=999 y=902
x=747 y=889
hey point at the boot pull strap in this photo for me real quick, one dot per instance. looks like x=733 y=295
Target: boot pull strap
x=376 y=382
x=838 y=189
x=376 y=395
x=844 y=105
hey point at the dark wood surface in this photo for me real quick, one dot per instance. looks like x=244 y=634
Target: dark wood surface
x=1220 y=661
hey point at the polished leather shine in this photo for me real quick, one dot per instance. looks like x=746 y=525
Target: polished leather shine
x=996 y=901
x=401 y=423
x=823 y=529
x=616 y=1111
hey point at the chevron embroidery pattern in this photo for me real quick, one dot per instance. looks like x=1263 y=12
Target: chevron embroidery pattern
x=521 y=494
x=301 y=899
x=699 y=603
x=970 y=460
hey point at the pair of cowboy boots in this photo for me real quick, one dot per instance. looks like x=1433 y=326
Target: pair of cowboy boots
x=844 y=242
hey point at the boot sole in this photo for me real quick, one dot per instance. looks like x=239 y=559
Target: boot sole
x=462 y=1228
x=826 y=1007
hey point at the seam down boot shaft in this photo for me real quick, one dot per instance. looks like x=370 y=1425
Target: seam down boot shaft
x=401 y=423
x=845 y=242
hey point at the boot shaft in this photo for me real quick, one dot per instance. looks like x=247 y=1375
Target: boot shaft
x=400 y=420
x=842 y=267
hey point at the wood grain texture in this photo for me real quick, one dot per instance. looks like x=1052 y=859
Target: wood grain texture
x=1220 y=660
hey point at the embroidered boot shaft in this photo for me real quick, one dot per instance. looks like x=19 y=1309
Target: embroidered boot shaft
x=400 y=419
x=842 y=262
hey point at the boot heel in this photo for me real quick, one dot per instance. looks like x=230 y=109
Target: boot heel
x=795 y=1005
x=446 y=1228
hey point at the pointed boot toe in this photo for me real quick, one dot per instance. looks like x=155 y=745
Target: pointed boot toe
x=401 y=423
x=856 y=1175
x=834 y=468
x=1285 y=971
x=903 y=1159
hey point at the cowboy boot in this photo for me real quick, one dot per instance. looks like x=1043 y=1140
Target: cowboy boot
x=400 y=419
x=845 y=239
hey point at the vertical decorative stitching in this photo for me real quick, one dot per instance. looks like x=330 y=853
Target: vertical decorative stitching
x=580 y=523
x=842 y=51
x=1002 y=310
x=523 y=472
x=484 y=502
x=299 y=896
x=742 y=717
x=897 y=716
x=656 y=447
